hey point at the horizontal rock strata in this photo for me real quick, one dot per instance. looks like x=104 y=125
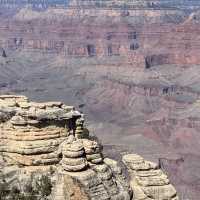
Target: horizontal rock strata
x=147 y=180
x=83 y=160
x=32 y=132
x=51 y=138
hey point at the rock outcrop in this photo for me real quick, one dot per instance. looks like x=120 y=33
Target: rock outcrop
x=73 y=157
x=83 y=160
x=52 y=134
x=39 y=138
x=32 y=132
x=147 y=180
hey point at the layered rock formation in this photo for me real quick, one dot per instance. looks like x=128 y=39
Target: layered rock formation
x=127 y=30
x=41 y=137
x=126 y=63
x=32 y=129
x=147 y=180
x=82 y=160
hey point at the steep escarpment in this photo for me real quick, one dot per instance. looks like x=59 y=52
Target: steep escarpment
x=50 y=139
x=140 y=36
x=132 y=67
x=101 y=32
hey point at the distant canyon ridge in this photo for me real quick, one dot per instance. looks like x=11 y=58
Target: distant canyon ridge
x=141 y=34
x=38 y=4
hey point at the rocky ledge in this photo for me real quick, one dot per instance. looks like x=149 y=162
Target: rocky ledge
x=147 y=179
x=51 y=138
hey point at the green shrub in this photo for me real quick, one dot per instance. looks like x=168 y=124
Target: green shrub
x=38 y=189
x=43 y=187
x=3 y=190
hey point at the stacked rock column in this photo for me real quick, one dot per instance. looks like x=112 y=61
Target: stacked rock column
x=95 y=159
x=93 y=152
x=79 y=128
x=74 y=157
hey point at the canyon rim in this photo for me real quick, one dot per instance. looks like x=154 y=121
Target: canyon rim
x=131 y=67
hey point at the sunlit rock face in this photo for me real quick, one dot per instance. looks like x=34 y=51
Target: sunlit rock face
x=32 y=132
x=44 y=136
x=50 y=139
x=147 y=180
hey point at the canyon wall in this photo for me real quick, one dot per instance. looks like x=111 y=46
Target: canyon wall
x=141 y=38
x=133 y=70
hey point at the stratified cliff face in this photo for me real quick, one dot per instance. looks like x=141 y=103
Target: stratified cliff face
x=102 y=31
x=32 y=129
x=132 y=68
x=147 y=180
x=140 y=37
x=36 y=136
x=50 y=138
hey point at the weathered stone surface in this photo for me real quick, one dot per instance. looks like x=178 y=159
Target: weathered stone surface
x=79 y=128
x=32 y=131
x=48 y=138
x=73 y=156
x=67 y=188
x=136 y=162
x=93 y=151
x=74 y=168
x=113 y=165
x=93 y=156
x=91 y=147
x=147 y=180
x=97 y=177
x=74 y=146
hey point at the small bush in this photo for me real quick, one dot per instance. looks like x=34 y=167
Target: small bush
x=38 y=189
x=43 y=187
x=3 y=190
x=85 y=133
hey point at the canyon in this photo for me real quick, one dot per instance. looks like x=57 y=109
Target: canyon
x=132 y=69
